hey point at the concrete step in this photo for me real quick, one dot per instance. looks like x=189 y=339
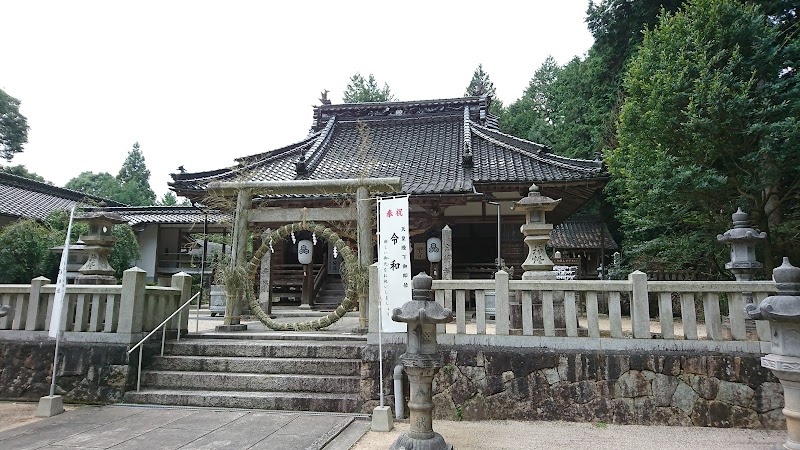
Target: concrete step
x=264 y=349
x=353 y=339
x=313 y=366
x=285 y=401
x=252 y=382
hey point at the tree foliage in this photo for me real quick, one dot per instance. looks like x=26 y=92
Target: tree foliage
x=131 y=186
x=709 y=123
x=13 y=127
x=24 y=251
x=101 y=184
x=22 y=171
x=480 y=85
x=364 y=90
x=134 y=180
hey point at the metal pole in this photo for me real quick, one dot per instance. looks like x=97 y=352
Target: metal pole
x=55 y=365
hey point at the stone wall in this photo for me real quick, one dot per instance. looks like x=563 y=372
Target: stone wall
x=87 y=373
x=613 y=387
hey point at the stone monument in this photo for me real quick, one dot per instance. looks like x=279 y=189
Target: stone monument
x=783 y=313
x=422 y=361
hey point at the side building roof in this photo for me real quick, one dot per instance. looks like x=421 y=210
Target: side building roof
x=25 y=198
x=582 y=232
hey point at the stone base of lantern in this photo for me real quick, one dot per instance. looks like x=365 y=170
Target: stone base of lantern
x=95 y=280
x=405 y=441
x=787 y=369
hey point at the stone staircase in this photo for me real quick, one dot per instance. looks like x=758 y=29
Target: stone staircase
x=330 y=294
x=276 y=372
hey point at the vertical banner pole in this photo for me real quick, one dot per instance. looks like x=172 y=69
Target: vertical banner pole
x=58 y=301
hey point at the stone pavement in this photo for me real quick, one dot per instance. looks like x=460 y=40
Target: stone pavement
x=136 y=427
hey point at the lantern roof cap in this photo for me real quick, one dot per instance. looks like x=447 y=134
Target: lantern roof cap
x=741 y=232
x=101 y=214
x=535 y=200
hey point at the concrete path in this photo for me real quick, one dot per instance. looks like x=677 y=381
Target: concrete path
x=136 y=427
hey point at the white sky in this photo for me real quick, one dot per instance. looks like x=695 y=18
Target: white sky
x=199 y=83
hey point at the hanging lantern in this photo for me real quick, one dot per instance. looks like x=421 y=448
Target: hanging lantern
x=434 y=246
x=305 y=251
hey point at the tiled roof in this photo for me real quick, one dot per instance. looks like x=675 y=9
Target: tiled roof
x=22 y=197
x=435 y=146
x=581 y=232
x=169 y=215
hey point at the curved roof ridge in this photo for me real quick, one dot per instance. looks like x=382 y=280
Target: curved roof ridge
x=305 y=140
x=316 y=151
x=531 y=154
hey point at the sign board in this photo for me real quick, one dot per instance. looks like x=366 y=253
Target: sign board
x=394 y=260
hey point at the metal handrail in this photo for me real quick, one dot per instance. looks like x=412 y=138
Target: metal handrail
x=163 y=337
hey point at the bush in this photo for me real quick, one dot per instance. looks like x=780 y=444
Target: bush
x=25 y=251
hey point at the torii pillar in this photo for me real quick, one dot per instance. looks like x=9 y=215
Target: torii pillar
x=244 y=214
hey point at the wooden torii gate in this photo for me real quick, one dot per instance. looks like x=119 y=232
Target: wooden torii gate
x=245 y=214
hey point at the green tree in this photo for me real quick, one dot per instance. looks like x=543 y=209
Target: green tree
x=363 y=90
x=481 y=84
x=134 y=180
x=24 y=251
x=13 y=127
x=710 y=122
x=21 y=171
x=531 y=116
x=101 y=184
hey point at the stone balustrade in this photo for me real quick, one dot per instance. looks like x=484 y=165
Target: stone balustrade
x=101 y=313
x=664 y=315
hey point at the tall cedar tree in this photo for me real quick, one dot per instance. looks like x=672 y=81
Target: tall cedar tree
x=364 y=90
x=134 y=180
x=481 y=84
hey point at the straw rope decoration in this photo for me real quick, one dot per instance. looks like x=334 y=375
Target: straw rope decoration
x=350 y=270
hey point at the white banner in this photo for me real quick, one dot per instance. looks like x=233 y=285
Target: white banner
x=61 y=284
x=394 y=260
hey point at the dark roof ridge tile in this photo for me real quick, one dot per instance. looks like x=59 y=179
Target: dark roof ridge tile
x=45 y=188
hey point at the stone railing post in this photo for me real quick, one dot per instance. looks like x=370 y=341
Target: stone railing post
x=131 y=305
x=783 y=312
x=374 y=307
x=37 y=312
x=502 y=320
x=183 y=282
x=640 y=308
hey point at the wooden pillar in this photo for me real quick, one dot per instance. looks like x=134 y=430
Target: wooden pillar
x=244 y=200
x=364 y=230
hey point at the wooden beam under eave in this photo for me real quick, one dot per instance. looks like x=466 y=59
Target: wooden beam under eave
x=288 y=215
x=339 y=186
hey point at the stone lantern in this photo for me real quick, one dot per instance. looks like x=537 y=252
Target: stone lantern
x=783 y=313
x=538 y=265
x=742 y=240
x=422 y=361
x=99 y=243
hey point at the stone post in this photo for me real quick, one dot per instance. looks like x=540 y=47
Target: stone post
x=131 y=305
x=37 y=312
x=422 y=361
x=783 y=312
x=183 y=282
x=640 y=308
x=501 y=303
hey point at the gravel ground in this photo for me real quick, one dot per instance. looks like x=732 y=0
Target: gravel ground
x=15 y=414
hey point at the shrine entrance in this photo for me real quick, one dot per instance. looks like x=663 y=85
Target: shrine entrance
x=354 y=265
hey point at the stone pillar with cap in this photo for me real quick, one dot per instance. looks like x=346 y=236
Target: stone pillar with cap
x=421 y=361
x=783 y=313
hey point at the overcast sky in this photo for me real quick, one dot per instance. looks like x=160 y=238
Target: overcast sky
x=199 y=83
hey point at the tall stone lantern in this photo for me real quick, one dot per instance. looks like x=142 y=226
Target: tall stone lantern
x=538 y=265
x=99 y=243
x=783 y=313
x=421 y=361
x=742 y=241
